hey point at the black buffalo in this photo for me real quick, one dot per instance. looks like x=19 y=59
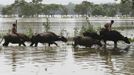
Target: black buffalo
x=93 y=35
x=13 y=38
x=114 y=36
x=85 y=41
x=46 y=37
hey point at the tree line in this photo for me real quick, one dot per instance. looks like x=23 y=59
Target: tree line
x=36 y=8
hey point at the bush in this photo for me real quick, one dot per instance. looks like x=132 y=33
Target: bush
x=88 y=27
x=131 y=39
x=46 y=25
x=29 y=32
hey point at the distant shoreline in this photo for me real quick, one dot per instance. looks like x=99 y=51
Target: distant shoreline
x=70 y=19
x=70 y=16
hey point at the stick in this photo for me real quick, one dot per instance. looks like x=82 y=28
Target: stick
x=16 y=24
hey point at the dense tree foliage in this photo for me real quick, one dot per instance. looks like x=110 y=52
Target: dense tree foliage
x=126 y=7
x=36 y=8
x=83 y=9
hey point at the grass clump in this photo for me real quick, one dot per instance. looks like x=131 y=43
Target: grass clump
x=46 y=25
x=29 y=32
x=87 y=28
x=131 y=39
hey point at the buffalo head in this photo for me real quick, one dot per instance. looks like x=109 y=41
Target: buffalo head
x=62 y=38
x=126 y=40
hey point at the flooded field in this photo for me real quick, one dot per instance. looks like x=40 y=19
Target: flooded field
x=64 y=25
x=65 y=60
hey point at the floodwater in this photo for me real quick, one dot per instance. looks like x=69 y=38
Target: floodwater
x=65 y=60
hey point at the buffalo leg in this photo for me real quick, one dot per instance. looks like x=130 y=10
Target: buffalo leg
x=31 y=44
x=115 y=44
x=24 y=44
x=52 y=43
x=49 y=44
x=74 y=45
x=55 y=44
x=19 y=44
x=105 y=43
x=6 y=44
x=36 y=44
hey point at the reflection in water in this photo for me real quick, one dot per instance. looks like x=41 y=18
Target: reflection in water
x=108 y=61
x=64 y=60
x=14 y=60
x=14 y=56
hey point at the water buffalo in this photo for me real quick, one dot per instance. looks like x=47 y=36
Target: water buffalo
x=94 y=35
x=114 y=36
x=13 y=38
x=85 y=41
x=46 y=37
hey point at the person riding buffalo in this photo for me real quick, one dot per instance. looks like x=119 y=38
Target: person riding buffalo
x=14 y=29
x=108 y=26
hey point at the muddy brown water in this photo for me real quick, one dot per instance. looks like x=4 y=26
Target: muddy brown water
x=65 y=59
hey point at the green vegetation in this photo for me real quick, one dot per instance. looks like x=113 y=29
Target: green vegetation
x=83 y=8
x=46 y=28
x=29 y=32
x=1 y=35
x=32 y=9
x=126 y=7
x=22 y=8
x=46 y=25
x=131 y=39
x=76 y=31
x=88 y=27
